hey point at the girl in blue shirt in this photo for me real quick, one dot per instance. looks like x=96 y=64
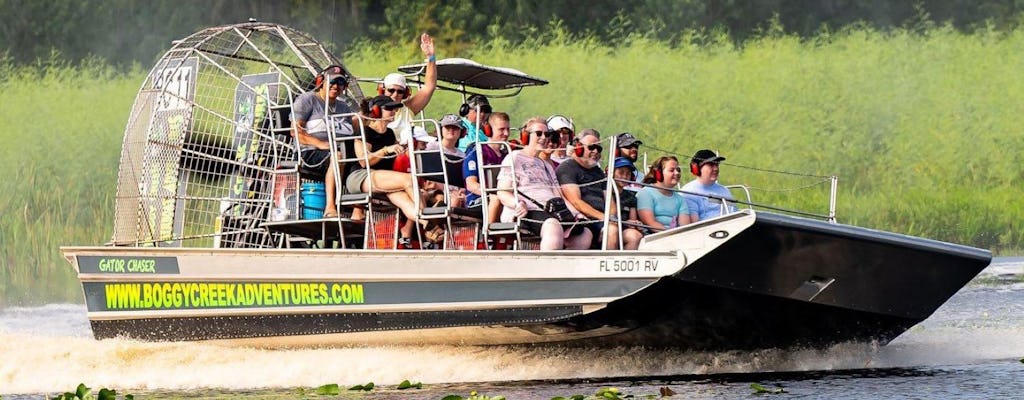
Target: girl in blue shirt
x=659 y=205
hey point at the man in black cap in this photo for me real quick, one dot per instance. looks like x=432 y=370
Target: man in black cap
x=704 y=195
x=628 y=146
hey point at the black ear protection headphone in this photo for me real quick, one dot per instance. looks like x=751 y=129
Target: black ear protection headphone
x=476 y=100
x=331 y=69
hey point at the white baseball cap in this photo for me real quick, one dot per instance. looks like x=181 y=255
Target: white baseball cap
x=394 y=79
x=556 y=122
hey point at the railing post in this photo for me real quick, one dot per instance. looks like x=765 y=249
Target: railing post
x=832 y=199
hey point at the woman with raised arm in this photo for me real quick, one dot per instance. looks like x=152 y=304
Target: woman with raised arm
x=374 y=172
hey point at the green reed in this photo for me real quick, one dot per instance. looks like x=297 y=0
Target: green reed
x=921 y=128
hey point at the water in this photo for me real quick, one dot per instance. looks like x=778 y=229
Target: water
x=969 y=348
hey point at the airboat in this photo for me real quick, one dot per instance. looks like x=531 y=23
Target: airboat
x=201 y=249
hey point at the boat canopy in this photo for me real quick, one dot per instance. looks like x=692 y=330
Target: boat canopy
x=465 y=72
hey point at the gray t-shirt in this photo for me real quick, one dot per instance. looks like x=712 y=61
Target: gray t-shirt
x=591 y=190
x=310 y=108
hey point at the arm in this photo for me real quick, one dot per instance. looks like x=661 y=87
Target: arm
x=419 y=101
x=300 y=133
x=685 y=215
x=505 y=195
x=473 y=185
x=571 y=193
x=376 y=156
x=645 y=210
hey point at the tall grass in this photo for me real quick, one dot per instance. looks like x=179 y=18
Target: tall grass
x=923 y=129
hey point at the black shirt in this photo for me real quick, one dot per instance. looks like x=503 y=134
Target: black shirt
x=571 y=172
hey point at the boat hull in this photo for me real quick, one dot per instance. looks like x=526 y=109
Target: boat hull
x=743 y=281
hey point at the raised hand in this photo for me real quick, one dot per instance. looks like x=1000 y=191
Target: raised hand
x=427 y=44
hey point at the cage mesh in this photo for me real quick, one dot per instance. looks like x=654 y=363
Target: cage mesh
x=207 y=134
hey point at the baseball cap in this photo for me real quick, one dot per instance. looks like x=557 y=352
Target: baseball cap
x=625 y=139
x=418 y=133
x=450 y=120
x=623 y=162
x=394 y=79
x=706 y=156
x=556 y=122
x=385 y=102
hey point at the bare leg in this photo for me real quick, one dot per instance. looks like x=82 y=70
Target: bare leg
x=493 y=208
x=399 y=188
x=551 y=235
x=612 y=233
x=631 y=238
x=331 y=209
x=580 y=241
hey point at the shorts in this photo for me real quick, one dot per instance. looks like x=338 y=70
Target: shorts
x=534 y=215
x=316 y=160
x=354 y=182
x=537 y=215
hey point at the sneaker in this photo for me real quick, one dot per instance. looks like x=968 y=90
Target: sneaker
x=404 y=243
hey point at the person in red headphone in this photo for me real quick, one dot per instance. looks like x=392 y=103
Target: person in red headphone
x=311 y=113
x=535 y=184
x=582 y=180
x=395 y=86
x=566 y=134
x=704 y=195
x=659 y=205
x=491 y=152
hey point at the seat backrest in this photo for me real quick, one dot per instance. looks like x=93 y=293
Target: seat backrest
x=430 y=162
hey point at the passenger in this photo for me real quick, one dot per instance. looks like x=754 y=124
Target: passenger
x=553 y=146
x=452 y=131
x=631 y=234
x=629 y=147
x=492 y=154
x=704 y=165
x=660 y=206
x=583 y=182
x=310 y=128
x=395 y=87
x=566 y=133
x=535 y=179
x=378 y=153
x=474 y=112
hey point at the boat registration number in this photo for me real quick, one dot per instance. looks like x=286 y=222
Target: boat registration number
x=627 y=265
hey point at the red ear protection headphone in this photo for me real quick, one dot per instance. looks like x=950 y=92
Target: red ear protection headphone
x=656 y=171
x=694 y=169
x=487 y=130
x=577 y=148
x=524 y=136
x=371 y=110
x=332 y=69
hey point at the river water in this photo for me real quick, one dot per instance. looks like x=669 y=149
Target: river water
x=970 y=348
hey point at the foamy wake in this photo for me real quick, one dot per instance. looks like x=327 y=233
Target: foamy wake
x=49 y=349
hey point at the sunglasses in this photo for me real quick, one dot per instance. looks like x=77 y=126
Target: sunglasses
x=393 y=90
x=549 y=134
x=595 y=147
x=339 y=81
x=632 y=146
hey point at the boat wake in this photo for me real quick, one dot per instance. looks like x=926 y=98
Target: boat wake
x=50 y=348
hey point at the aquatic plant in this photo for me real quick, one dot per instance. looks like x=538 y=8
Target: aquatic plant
x=330 y=389
x=83 y=392
x=761 y=389
x=473 y=395
x=409 y=385
x=366 y=388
